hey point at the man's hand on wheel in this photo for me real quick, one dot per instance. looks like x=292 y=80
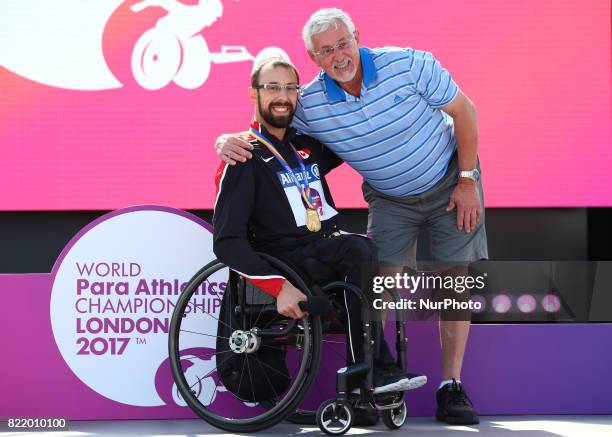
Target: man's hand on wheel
x=287 y=301
x=233 y=147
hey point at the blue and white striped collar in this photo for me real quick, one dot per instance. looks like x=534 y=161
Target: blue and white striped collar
x=334 y=92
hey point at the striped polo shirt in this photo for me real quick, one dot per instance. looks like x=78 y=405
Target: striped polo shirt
x=394 y=133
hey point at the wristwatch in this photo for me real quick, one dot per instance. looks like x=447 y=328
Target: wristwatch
x=470 y=174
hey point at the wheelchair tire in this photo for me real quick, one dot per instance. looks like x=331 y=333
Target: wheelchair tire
x=396 y=417
x=335 y=416
x=226 y=411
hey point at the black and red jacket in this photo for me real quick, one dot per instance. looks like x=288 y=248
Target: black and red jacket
x=258 y=207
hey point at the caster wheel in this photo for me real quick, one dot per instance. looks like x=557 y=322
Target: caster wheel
x=395 y=417
x=335 y=417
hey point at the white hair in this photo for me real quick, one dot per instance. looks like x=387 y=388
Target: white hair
x=323 y=20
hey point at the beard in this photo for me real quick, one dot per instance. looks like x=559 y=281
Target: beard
x=279 y=121
x=345 y=75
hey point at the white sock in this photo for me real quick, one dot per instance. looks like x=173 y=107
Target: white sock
x=448 y=381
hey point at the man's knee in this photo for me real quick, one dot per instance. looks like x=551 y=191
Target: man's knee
x=361 y=250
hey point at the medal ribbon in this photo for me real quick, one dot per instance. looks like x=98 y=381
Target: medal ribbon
x=303 y=189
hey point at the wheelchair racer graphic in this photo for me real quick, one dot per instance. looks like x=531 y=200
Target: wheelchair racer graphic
x=175 y=51
x=199 y=377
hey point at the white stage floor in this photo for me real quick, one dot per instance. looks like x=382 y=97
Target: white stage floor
x=496 y=426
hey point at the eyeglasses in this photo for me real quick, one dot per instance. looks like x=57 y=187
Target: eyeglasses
x=326 y=52
x=276 y=88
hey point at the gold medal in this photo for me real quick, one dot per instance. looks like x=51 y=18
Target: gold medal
x=313 y=223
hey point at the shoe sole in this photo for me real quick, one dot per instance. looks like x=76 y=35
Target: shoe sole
x=401 y=385
x=440 y=417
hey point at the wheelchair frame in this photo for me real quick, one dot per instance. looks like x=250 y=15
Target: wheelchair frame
x=334 y=416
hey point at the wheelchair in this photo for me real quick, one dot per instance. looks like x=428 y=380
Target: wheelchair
x=259 y=329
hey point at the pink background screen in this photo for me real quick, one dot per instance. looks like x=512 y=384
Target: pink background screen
x=538 y=72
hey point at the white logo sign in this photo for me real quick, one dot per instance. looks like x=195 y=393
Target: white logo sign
x=113 y=296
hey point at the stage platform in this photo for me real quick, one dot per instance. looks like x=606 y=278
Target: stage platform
x=494 y=426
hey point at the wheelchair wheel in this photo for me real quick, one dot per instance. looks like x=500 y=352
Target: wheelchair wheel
x=335 y=417
x=194 y=333
x=396 y=417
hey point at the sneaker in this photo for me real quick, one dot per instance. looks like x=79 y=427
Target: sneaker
x=392 y=378
x=454 y=406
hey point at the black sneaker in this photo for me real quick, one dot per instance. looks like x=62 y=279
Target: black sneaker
x=392 y=378
x=454 y=406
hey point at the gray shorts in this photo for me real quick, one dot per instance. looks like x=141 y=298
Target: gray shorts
x=394 y=224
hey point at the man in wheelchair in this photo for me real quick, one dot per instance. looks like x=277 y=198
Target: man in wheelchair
x=279 y=203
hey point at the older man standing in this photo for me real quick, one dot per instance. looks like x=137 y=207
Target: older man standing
x=398 y=118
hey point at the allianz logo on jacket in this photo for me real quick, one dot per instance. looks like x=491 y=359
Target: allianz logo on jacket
x=286 y=179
